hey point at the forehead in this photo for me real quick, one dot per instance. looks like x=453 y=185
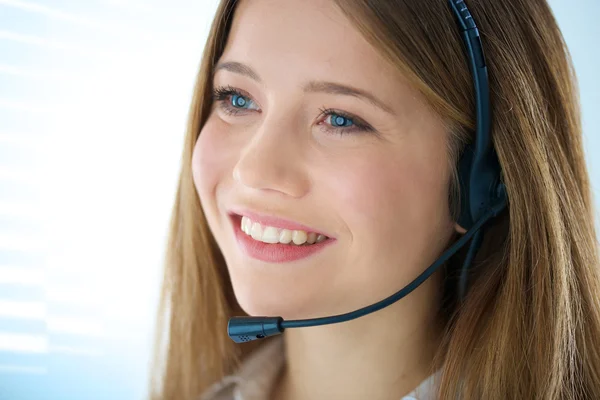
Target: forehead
x=289 y=42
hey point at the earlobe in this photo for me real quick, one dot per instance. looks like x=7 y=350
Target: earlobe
x=460 y=229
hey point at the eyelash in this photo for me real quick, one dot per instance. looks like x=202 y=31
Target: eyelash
x=221 y=97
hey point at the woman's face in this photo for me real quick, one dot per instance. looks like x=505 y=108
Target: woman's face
x=312 y=128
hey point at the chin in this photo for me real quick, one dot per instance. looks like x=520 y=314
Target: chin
x=275 y=302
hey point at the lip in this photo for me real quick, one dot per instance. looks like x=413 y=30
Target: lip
x=276 y=252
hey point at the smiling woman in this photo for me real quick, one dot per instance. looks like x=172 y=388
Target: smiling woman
x=320 y=175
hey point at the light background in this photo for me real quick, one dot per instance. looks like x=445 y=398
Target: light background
x=93 y=102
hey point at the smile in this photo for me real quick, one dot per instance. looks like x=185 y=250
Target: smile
x=274 y=244
x=271 y=234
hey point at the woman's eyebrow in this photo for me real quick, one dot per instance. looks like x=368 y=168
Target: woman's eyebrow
x=238 y=68
x=310 y=87
x=337 y=88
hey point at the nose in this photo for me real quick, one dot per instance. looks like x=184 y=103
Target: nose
x=272 y=159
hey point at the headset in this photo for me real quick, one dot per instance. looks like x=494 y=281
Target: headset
x=482 y=197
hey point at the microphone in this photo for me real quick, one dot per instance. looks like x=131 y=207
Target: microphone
x=245 y=329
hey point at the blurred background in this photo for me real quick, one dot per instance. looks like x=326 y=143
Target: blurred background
x=93 y=103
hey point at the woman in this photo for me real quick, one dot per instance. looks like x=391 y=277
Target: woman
x=339 y=125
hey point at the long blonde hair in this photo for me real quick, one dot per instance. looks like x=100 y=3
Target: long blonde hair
x=530 y=324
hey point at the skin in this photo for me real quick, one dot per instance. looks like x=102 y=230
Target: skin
x=382 y=195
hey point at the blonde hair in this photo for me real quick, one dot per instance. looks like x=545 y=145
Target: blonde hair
x=531 y=320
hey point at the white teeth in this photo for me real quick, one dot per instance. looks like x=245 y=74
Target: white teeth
x=256 y=231
x=270 y=234
x=245 y=221
x=285 y=236
x=299 y=237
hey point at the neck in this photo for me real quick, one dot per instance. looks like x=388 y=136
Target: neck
x=389 y=351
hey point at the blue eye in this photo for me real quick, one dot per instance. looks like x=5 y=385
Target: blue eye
x=233 y=101
x=239 y=101
x=339 y=121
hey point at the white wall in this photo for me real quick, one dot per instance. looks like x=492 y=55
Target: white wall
x=578 y=20
x=93 y=101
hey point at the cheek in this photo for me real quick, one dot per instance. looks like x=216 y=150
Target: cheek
x=395 y=197
x=210 y=162
x=394 y=206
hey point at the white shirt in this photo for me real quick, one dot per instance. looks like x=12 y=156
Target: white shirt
x=259 y=371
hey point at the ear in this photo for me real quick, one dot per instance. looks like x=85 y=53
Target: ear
x=460 y=229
